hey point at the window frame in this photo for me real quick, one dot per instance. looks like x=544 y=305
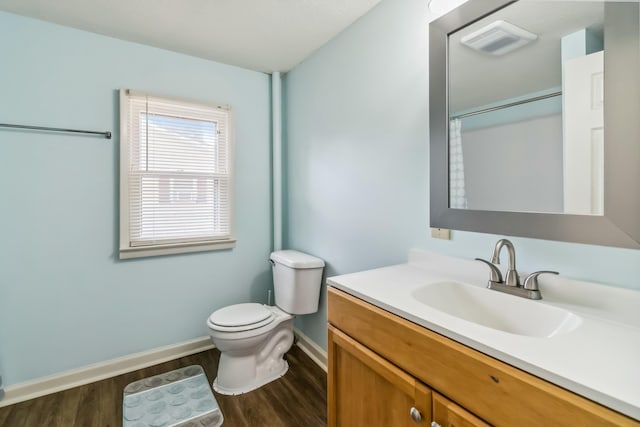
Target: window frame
x=126 y=248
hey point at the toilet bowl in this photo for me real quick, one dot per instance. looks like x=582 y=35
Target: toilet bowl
x=250 y=354
x=253 y=338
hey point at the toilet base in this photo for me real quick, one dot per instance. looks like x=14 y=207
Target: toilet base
x=247 y=363
x=262 y=381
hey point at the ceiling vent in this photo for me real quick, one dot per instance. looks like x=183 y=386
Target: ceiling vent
x=498 y=38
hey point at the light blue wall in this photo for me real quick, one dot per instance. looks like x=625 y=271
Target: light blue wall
x=65 y=299
x=580 y=43
x=357 y=161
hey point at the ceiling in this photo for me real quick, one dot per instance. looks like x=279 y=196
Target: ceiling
x=478 y=79
x=261 y=35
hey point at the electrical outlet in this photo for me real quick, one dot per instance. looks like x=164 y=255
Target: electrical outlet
x=441 y=233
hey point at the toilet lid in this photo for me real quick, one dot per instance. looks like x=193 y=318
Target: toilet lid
x=241 y=315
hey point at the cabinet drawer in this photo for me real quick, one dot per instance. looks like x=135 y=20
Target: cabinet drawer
x=493 y=390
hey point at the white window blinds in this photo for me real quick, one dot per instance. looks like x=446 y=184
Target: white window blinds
x=176 y=174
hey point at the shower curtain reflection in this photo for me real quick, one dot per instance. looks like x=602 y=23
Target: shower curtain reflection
x=457 y=194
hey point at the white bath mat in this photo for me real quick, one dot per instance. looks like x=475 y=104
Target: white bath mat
x=180 y=398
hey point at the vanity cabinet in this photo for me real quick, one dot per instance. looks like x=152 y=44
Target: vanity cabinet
x=381 y=365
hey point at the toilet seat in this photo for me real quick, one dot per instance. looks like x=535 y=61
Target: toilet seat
x=240 y=317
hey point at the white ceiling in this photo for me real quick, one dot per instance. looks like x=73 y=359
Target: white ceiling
x=479 y=79
x=261 y=35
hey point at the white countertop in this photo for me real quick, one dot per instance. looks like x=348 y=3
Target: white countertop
x=599 y=360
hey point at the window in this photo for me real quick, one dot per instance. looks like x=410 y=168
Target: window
x=176 y=176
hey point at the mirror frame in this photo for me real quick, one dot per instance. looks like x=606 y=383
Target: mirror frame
x=620 y=224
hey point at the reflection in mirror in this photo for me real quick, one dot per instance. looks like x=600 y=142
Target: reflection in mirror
x=611 y=214
x=526 y=96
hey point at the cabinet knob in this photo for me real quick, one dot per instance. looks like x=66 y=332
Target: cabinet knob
x=415 y=414
x=435 y=424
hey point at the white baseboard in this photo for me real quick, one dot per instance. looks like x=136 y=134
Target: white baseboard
x=99 y=371
x=313 y=350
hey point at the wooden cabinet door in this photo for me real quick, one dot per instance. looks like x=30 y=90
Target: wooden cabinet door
x=366 y=390
x=448 y=414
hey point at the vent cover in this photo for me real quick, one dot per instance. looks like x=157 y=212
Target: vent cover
x=498 y=38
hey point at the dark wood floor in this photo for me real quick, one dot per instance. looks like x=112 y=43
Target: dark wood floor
x=297 y=399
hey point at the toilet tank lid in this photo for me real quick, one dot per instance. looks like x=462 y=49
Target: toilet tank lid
x=295 y=259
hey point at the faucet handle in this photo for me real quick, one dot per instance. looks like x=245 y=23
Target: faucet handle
x=495 y=275
x=531 y=282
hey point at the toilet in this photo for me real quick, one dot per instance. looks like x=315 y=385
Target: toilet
x=252 y=338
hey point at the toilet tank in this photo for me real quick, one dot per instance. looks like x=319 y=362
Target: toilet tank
x=297 y=278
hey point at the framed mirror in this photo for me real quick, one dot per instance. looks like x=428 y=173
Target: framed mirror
x=535 y=120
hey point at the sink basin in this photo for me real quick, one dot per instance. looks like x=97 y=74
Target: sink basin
x=507 y=313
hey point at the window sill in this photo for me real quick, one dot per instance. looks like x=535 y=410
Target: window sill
x=176 y=248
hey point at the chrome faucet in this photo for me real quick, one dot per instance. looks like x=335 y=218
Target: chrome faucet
x=512 y=285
